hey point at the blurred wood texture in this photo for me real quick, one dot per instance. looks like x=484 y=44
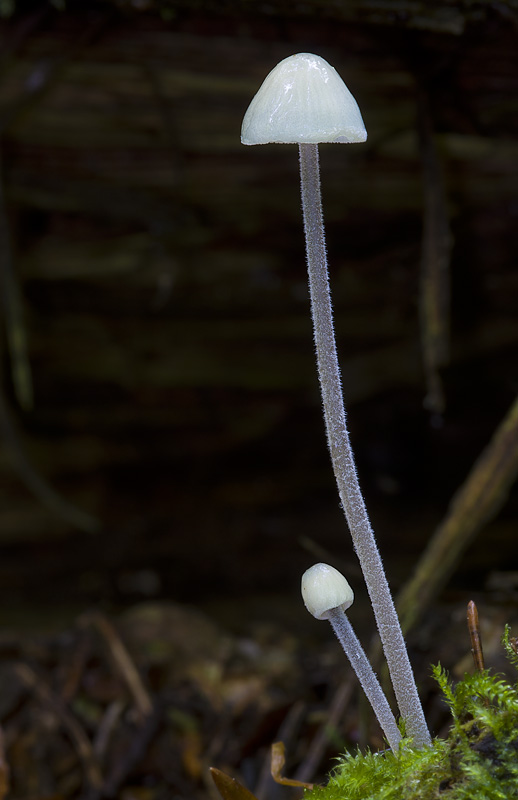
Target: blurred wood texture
x=161 y=289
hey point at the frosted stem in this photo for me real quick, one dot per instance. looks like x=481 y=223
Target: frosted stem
x=342 y=456
x=365 y=674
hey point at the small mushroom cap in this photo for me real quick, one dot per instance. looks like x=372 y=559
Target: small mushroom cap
x=303 y=100
x=324 y=588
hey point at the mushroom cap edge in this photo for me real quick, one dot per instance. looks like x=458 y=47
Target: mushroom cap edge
x=303 y=100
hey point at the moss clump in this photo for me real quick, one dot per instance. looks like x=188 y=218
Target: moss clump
x=478 y=760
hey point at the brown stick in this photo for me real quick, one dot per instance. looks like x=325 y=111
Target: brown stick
x=480 y=497
x=474 y=635
x=123 y=662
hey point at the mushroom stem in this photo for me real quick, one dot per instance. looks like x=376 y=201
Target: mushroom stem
x=360 y=663
x=342 y=456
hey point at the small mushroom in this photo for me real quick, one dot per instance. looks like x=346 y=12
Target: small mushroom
x=303 y=100
x=327 y=595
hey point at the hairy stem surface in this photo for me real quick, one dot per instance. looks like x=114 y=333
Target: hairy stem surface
x=360 y=663
x=342 y=456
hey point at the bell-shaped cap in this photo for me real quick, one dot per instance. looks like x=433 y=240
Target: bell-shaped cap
x=303 y=100
x=324 y=588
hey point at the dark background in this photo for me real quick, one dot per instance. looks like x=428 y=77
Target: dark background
x=155 y=295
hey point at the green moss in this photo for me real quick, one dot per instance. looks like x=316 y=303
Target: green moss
x=478 y=760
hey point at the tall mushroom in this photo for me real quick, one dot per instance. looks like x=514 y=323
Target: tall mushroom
x=304 y=101
x=327 y=595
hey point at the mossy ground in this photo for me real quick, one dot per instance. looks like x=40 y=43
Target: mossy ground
x=478 y=760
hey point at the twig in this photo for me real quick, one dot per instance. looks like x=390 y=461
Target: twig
x=132 y=754
x=45 y=493
x=474 y=635
x=480 y=497
x=105 y=729
x=123 y=662
x=315 y=753
x=77 y=735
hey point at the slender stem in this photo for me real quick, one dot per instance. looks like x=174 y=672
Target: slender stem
x=365 y=674
x=342 y=456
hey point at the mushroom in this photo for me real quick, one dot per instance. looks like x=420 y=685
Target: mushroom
x=303 y=100
x=327 y=595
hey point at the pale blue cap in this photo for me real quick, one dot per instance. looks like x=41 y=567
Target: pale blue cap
x=303 y=100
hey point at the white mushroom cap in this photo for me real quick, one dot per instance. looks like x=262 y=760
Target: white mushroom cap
x=324 y=588
x=303 y=100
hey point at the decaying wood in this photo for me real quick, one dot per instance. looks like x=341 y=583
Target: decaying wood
x=161 y=276
x=89 y=742
x=161 y=265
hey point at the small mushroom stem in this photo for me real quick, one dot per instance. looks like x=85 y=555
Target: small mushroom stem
x=360 y=663
x=342 y=456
